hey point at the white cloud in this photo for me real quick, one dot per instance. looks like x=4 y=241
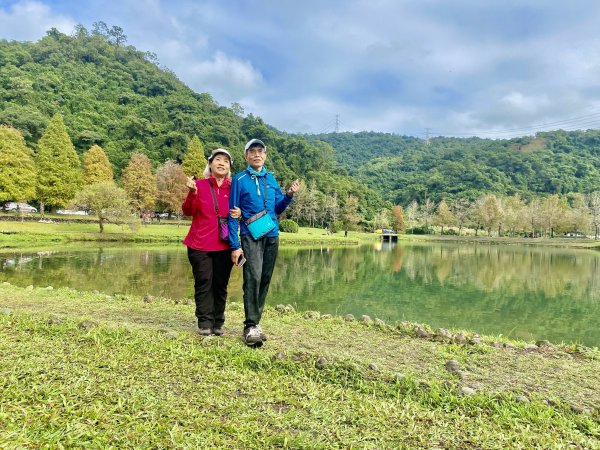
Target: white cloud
x=224 y=77
x=29 y=21
x=521 y=102
x=387 y=65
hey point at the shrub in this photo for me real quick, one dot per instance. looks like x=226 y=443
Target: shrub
x=419 y=230
x=336 y=226
x=288 y=226
x=450 y=232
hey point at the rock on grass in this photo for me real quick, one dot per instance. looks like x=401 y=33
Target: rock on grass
x=452 y=366
x=467 y=391
x=421 y=332
x=87 y=325
x=460 y=338
x=321 y=363
x=442 y=334
x=312 y=315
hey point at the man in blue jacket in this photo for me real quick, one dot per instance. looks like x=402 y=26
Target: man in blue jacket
x=255 y=190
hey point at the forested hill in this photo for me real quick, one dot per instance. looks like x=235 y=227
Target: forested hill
x=115 y=96
x=404 y=168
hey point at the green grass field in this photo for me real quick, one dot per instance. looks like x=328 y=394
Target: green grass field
x=15 y=234
x=23 y=234
x=79 y=369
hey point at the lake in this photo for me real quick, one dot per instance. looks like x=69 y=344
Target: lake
x=521 y=292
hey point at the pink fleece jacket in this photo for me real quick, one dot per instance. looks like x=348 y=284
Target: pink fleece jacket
x=204 y=233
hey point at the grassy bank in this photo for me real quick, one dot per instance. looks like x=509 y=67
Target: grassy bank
x=15 y=234
x=562 y=242
x=79 y=369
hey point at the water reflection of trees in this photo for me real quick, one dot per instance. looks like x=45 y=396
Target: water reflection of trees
x=548 y=271
x=525 y=292
x=494 y=289
x=109 y=270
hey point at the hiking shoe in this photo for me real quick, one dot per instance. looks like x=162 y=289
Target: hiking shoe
x=263 y=336
x=218 y=331
x=252 y=336
x=204 y=331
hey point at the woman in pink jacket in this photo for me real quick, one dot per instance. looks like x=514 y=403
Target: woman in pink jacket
x=207 y=241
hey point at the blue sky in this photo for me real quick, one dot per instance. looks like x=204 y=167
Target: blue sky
x=494 y=68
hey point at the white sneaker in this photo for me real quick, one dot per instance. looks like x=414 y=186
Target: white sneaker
x=252 y=336
x=263 y=336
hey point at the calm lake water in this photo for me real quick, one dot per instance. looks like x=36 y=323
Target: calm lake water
x=520 y=292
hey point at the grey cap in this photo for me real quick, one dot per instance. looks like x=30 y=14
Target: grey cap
x=220 y=151
x=252 y=142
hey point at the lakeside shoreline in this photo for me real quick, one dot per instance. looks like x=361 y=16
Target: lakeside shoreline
x=558 y=242
x=14 y=234
x=551 y=390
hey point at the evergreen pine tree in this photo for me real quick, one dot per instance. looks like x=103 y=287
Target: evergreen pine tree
x=139 y=182
x=59 y=168
x=96 y=166
x=194 y=160
x=17 y=169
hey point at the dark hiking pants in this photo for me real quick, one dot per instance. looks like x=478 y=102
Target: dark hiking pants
x=260 y=261
x=211 y=274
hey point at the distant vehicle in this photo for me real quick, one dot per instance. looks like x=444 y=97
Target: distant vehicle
x=573 y=234
x=531 y=235
x=387 y=231
x=23 y=207
x=163 y=215
x=71 y=212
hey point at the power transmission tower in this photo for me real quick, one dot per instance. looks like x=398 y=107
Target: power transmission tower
x=427 y=142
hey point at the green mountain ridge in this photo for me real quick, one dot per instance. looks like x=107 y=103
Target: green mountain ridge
x=404 y=168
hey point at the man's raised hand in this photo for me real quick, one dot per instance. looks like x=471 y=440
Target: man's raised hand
x=294 y=187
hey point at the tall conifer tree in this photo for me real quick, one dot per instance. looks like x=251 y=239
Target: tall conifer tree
x=59 y=168
x=194 y=160
x=17 y=169
x=139 y=182
x=96 y=166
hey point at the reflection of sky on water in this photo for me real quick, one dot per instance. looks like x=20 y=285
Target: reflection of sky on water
x=524 y=292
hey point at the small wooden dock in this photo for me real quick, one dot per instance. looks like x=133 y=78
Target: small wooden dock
x=388 y=237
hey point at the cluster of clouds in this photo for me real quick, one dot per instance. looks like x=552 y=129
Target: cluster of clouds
x=497 y=68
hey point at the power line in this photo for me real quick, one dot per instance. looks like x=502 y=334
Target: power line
x=589 y=121
x=330 y=128
x=573 y=123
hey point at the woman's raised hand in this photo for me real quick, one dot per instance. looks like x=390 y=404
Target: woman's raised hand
x=191 y=184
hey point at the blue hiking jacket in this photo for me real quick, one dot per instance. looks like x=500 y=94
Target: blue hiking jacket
x=247 y=193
